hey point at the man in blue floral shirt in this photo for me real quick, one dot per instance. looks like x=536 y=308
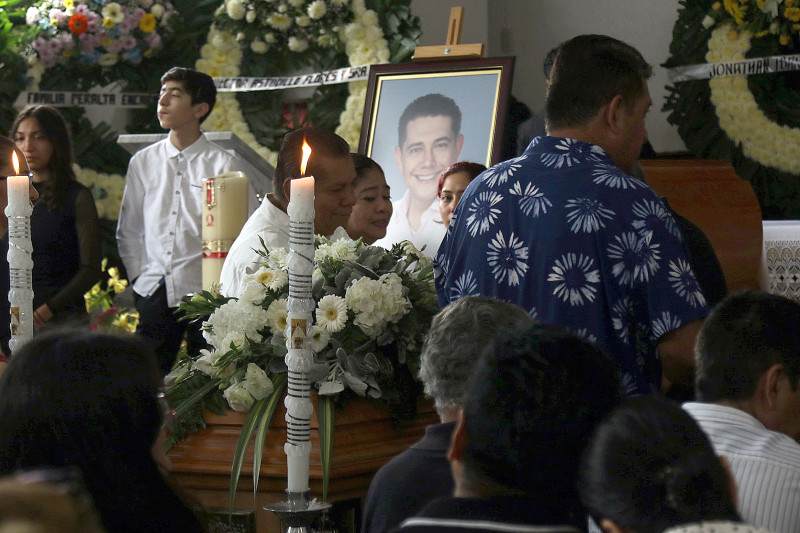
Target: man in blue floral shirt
x=566 y=232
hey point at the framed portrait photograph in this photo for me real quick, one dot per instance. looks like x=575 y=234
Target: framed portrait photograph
x=420 y=118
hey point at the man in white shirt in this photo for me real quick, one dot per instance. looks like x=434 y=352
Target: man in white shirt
x=159 y=227
x=748 y=392
x=334 y=173
x=429 y=141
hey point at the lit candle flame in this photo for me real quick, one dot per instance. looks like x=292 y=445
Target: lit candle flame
x=15 y=162
x=306 y=155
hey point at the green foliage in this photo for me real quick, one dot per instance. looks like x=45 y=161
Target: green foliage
x=691 y=110
x=12 y=64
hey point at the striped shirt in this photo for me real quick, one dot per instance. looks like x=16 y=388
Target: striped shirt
x=766 y=465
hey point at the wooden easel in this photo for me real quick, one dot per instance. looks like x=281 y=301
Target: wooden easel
x=452 y=49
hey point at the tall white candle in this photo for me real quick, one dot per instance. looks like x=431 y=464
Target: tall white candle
x=20 y=262
x=300 y=305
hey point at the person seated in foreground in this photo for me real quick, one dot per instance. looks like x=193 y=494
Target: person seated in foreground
x=373 y=207
x=650 y=468
x=332 y=167
x=532 y=403
x=748 y=402
x=452 y=184
x=92 y=401
x=422 y=473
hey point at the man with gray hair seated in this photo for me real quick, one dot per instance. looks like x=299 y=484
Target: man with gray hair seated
x=458 y=334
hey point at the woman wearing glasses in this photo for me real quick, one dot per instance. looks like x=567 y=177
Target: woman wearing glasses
x=66 y=253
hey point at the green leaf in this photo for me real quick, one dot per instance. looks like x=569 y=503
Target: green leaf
x=279 y=382
x=198 y=395
x=325 y=415
x=257 y=411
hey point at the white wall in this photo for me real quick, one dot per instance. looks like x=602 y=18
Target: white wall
x=527 y=29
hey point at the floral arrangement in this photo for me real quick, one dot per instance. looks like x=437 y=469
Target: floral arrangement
x=99 y=302
x=753 y=121
x=106 y=190
x=760 y=18
x=98 y=32
x=345 y=33
x=373 y=308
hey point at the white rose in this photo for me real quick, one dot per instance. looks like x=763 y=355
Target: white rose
x=238 y=398
x=257 y=383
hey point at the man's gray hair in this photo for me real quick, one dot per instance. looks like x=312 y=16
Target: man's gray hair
x=458 y=334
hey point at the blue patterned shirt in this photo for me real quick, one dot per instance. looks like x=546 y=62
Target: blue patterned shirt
x=567 y=235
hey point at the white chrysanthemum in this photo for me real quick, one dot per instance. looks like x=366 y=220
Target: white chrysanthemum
x=297 y=3
x=258 y=46
x=235 y=9
x=332 y=313
x=302 y=21
x=238 y=397
x=277 y=316
x=279 y=21
x=113 y=12
x=270 y=38
x=297 y=45
x=157 y=11
x=256 y=382
x=317 y=9
x=319 y=338
x=251 y=16
x=377 y=303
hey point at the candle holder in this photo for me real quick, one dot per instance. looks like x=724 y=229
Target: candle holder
x=297 y=514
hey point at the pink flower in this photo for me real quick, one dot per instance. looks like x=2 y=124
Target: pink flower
x=115 y=46
x=45 y=54
x=54 y=45
x=128 y=42
x=58 y=16
x=93 y=22
x=154 y=40
x=82 y=9
x=39 y=43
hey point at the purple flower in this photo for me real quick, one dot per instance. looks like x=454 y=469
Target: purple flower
x=128 y=42
x=154 y=40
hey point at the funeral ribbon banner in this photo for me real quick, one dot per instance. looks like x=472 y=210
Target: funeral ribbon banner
x=745 y=67
x=314 y=79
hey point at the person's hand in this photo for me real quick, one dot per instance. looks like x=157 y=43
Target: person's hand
x=41 y=315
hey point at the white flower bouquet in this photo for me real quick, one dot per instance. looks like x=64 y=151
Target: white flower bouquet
x=374 y=307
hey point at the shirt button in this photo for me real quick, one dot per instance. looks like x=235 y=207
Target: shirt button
x=172 y=233
x=177 y=192
x=169 y=253
x=174 y=212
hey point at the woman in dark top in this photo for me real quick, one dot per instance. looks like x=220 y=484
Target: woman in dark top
x=66 y=253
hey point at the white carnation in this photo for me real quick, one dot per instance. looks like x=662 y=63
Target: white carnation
x=279 y=21
x=258 y=46
x=253 y=292
x=234 y=320
x=377 y=303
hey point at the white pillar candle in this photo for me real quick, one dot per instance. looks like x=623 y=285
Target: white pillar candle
x=224 y=215
x=300 y=305
x=20 y=262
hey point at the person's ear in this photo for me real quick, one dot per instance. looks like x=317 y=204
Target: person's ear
x=459 y=144
x=615 y=113
x=731 y=480
x=609 y=526
x=199 y=110
x=287 y=187
x=458 y=439
x=771 y=385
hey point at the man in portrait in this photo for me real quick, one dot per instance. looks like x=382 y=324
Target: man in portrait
x=429 y=141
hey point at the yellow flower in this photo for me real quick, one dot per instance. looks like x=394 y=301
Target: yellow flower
x=148 y=23
x=113 y=272
x=761 y=4
x=789 y=3
x=69 y=3
x=733 y=35
x=716 y=6
x=784 y=39
x=792 y=13
x=108 y=23
x=118 y=285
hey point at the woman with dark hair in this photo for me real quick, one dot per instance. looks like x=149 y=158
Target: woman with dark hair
x=373 y=208
x=66 y=253
x=92 y=401
x=452 y=184
x=651 y=469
